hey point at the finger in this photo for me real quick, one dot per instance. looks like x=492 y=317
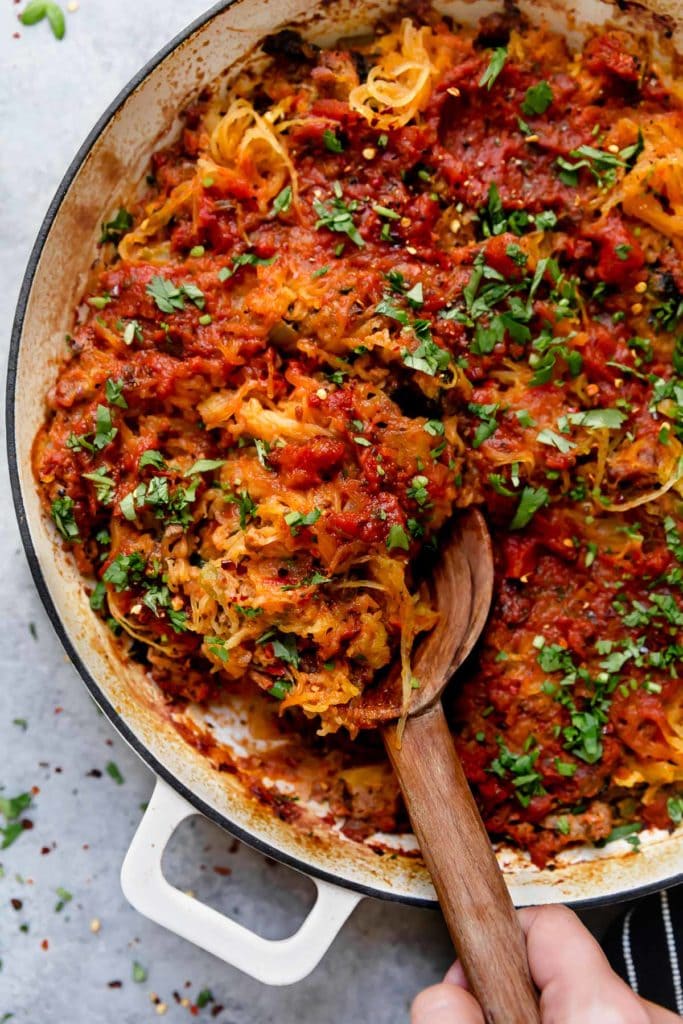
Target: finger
x=576 y=981
x=445 y=1004
x=455 y=975
x=658 y=1015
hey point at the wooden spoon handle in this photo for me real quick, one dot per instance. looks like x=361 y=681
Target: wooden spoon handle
x=473 y=895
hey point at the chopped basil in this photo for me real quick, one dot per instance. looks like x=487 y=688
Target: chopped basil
x=428 y=357
x=280 y=689
x=531 y=500
x=337 y=215
x=139 y=973
x=64 y=897
x=113 y=390
x=488 y=425
x=282 y=201
x=674 y=807
x=132 y=332
x=494 y=67
x=36 y=10
x=549 y=437
x=125 y=571
x=98 y=596
x=152 y=457
x=537 y=99
x=112 y=770
x=170 y=298
x=434 y=428
x=245 y=506
x=297 y=520
x=262 y=451
x=114 y=229
x=596 y=419
x=520 y=770
x=63 y=516
x=104 y=485
x=386 y=212
x=249 y=613
x=332 y=142
x=245 y=259
x=11 y=808
x=418 y=490
x=397 y=538
x=204 y=466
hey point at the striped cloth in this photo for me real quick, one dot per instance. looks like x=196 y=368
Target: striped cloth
x=644 y=946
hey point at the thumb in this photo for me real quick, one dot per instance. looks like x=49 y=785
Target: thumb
x=445 y=1004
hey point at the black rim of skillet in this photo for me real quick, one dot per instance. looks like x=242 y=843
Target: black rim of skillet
x=119 y=723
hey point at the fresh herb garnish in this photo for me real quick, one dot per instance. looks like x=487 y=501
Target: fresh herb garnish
x=11 y=809
x=245 y=259
x=104 y=485
x=297 y=520
x=531 y=500
x=282 y=201
x=397 y=538
x=170 y=298
x=139 y=973
x=537 y=99
x=64 y=897
x=204 y=466
x=63 y=516
x=114 y=229
x=152 y=457
x=125 y=571
x=337 y=215
x=332 y=141
x=36 y=10
x=114 y=392
x=494 y=67
x=113 y=771
x=520 y=770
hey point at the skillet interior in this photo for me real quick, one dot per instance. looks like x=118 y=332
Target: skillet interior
x=114 y=155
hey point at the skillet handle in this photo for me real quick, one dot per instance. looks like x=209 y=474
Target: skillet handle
x=270 y=961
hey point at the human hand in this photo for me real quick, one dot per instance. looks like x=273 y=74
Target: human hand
x=576 y=983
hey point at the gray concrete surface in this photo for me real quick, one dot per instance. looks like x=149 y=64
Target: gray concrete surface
x=55 y=968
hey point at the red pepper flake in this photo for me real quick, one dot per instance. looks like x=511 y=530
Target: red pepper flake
x=17 y=904
x=45 y=945
x=115 y=984
x=224 y=872
x=58 y=710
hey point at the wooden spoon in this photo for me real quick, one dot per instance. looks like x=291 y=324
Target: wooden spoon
x=474 y=898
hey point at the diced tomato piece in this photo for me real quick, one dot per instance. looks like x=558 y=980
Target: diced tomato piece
x=307 y=464
x=520 y=556
x=606 y=54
